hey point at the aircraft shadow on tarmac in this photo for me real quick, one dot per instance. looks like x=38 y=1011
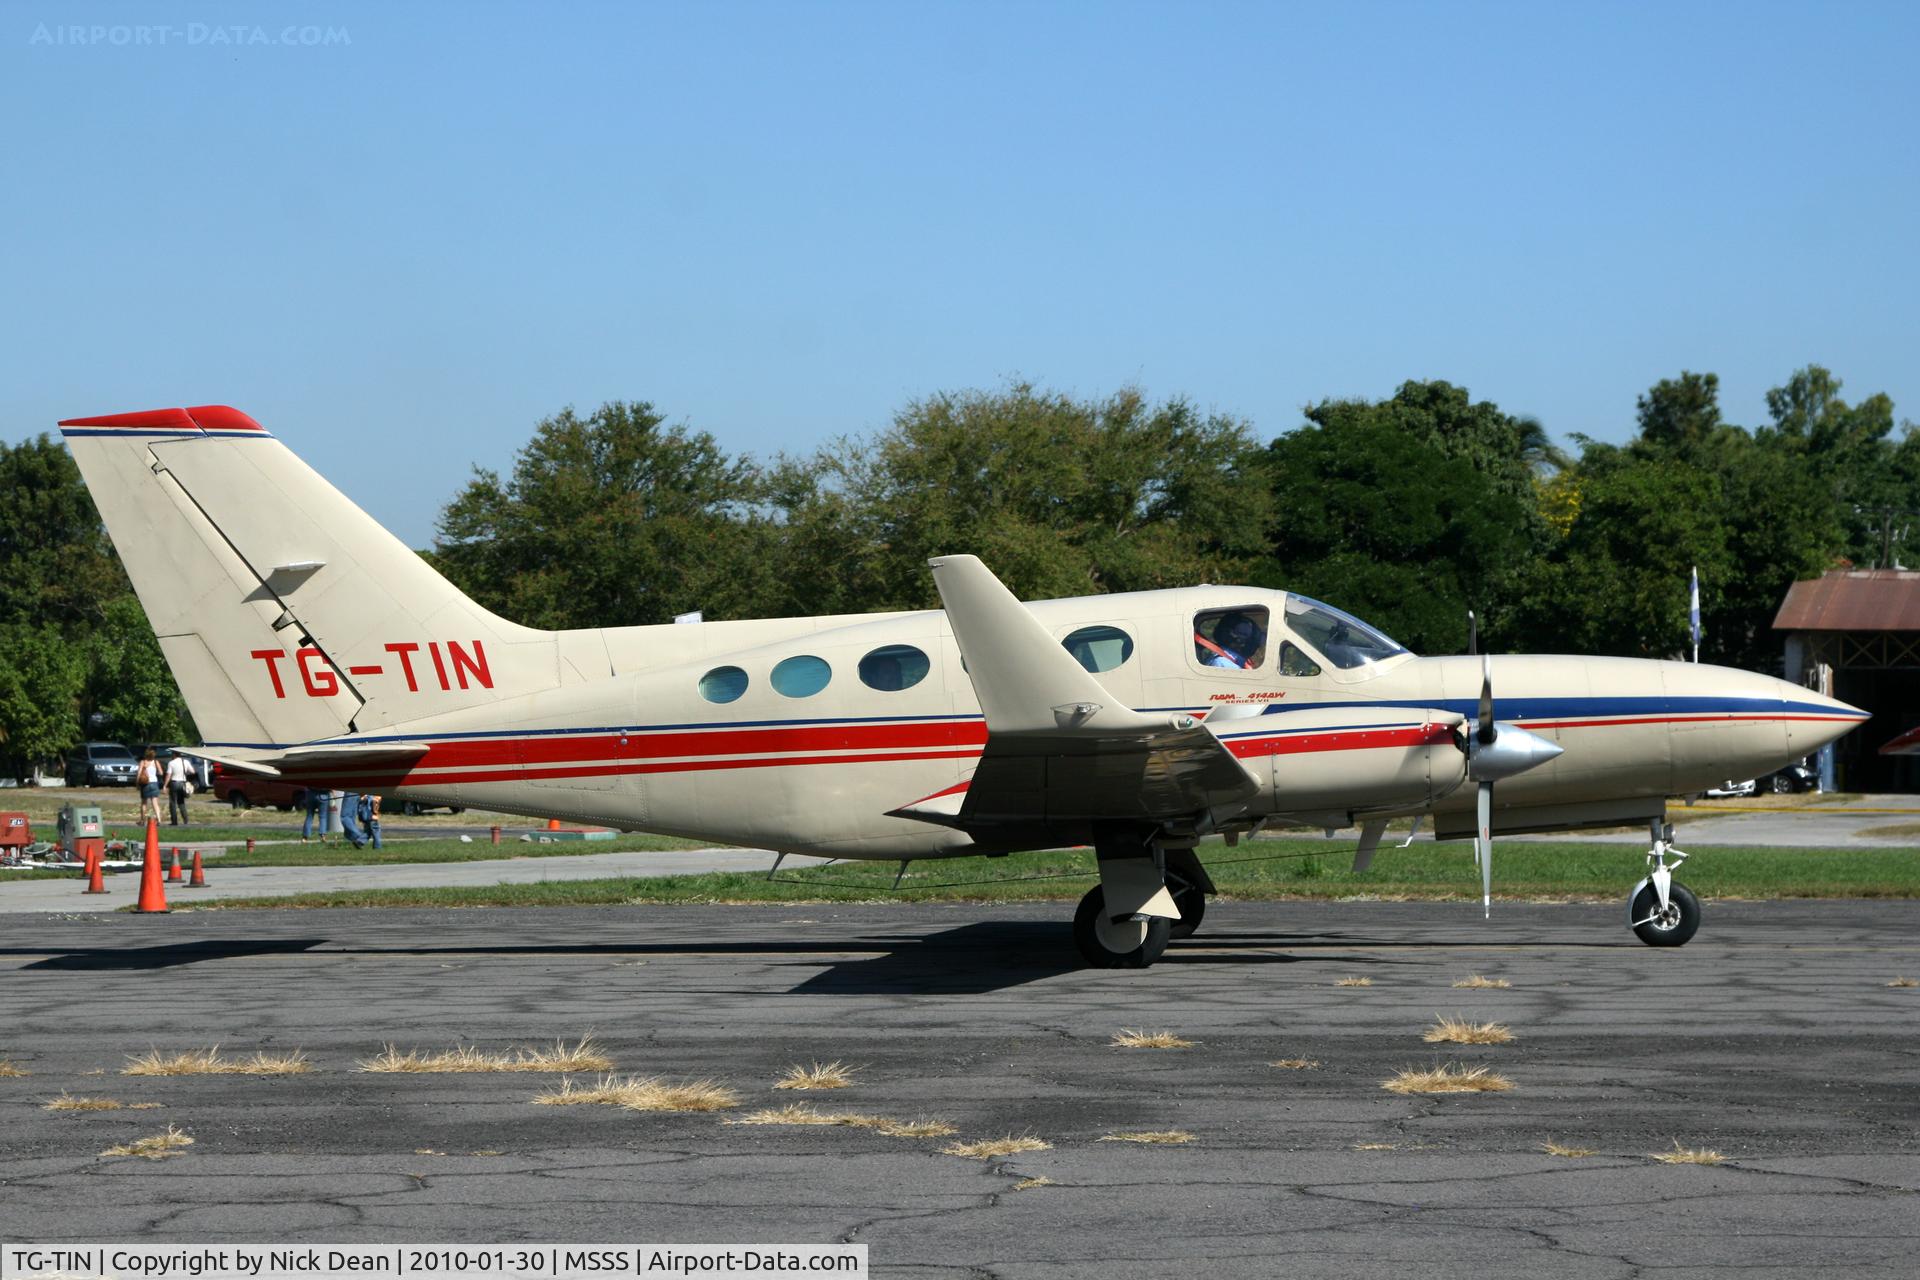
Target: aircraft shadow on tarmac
x=171 y=954
x=972 y=958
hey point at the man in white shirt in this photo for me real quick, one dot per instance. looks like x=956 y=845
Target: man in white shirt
x=179 y=787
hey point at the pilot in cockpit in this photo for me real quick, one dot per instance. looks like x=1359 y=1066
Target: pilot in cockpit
x=1236 y=642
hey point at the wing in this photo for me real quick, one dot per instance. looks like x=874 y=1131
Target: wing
x=1061 y=753
x=319 y=755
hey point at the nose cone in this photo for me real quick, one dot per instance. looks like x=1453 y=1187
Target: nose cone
x=1513 y=750
x=1814 y=719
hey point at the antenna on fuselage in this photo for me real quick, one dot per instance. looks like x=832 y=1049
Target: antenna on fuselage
x=1473 y=633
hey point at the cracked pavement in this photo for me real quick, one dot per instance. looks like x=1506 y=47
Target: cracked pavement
x=1772 y=1038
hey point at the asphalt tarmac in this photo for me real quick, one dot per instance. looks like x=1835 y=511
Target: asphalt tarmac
x=1773 y=1038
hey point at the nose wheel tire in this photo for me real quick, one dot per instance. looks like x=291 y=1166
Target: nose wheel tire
x=1191 y=900
x=1671 y=928
x=1126 y=944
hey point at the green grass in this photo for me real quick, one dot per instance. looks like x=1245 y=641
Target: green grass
x=1264 y=869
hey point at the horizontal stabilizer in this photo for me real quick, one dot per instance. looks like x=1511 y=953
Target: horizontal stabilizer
x=319 y=755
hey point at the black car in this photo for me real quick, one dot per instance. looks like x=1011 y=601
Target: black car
x=100 y=764
x=1794 y=778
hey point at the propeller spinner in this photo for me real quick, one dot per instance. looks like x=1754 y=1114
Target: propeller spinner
x=1496 y=751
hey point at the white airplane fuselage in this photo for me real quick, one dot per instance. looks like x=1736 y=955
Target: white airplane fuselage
x=818 y=774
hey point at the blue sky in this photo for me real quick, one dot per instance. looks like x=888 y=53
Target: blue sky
x=781 y=222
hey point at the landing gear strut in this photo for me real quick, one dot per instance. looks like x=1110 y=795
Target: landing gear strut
x=1661 y=911
x=1125 y=920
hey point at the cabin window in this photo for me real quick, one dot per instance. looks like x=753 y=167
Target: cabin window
x=1295 y=662
x=893 y=667
x=801 y=676
x=1099 y=648
x=723 y=684
x=1342 y=639
x=1234 y=639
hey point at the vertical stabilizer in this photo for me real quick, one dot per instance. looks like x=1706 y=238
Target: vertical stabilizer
x=286 y=612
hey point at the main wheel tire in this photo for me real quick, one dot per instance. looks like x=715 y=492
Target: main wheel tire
x=409 y=808
x=1192 y=901
x=1681 y=921
x=1130 y=944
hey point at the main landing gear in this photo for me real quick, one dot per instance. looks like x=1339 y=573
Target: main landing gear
x=1661 y=911
x=1147 y=894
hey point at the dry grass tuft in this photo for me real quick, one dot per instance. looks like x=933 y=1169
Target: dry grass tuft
x=1460 y=1031
x=988 y=1148
x=1448 y=1079
x=1905 y=982
x=144 y=1106
x=208 y=1062
x=9 y=1069
x=642 y=1093
x=919 y=1127
x=1354 y=982
x=1571 y=1153
x=1028 y=1184
x=584 y=1056
x=792 y=1113
x=67 y=1102
x=1129 y=1038
x=820 y=1075
x=805 y=1113
x=692 y=1095
x=1295 y=1064
x=157 y=1147
x=1480 y=982
x=1686 y=1155
x=1157 y=1137
x=1376 y=1146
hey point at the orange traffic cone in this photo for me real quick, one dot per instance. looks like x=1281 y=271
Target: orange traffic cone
x=173 y=872
x=553 y=824
x=96 y=872
x=199 y=880
x=152 y=896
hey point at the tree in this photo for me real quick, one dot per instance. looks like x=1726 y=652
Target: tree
x=57 y=565
x=41 y=675
x=129 y=681
x=611 y=519
x=1680 y=418
x=1059 y=496
x=1409 y=511
x=1849 y=448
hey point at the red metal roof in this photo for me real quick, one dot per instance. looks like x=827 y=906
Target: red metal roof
x=1853 y=600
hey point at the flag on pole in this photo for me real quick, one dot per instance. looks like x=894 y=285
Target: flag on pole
x=1693 y=613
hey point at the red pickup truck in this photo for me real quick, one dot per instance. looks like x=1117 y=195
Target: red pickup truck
x=245 y=790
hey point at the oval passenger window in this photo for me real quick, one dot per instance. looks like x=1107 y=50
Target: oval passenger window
x=1099 y=648
x=802 y=676
x=893 y=667
x=723 y=684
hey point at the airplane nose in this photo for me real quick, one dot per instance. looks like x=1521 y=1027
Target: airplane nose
x=1813 y=719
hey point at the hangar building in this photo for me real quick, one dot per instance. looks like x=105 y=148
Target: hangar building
x=1855 y=634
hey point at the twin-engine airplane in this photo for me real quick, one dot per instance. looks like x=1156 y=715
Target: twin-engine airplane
x=311 y=644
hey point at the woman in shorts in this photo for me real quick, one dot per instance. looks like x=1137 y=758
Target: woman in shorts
x=148 y=777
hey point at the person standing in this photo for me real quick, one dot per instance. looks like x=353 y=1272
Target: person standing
x=350 y=819
x=314 y=803
x=179 y=787
x=370 y=816
x=149 y=775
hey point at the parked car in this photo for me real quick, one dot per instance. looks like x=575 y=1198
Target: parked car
x=245 y=790
x=1782 y=782
x=100 y=764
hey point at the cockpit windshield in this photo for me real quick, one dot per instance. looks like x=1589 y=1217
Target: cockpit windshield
x=1343 y=639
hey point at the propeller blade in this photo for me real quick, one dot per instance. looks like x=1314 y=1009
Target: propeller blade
x=1473 y=634
x=1486 y=733
x=1483 y=848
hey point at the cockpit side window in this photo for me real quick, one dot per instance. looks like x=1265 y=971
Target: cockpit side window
x=1341 y=638
x=1295 y=662
x=1233 y=639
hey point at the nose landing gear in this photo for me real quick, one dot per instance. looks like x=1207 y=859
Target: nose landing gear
x=1660 y=911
